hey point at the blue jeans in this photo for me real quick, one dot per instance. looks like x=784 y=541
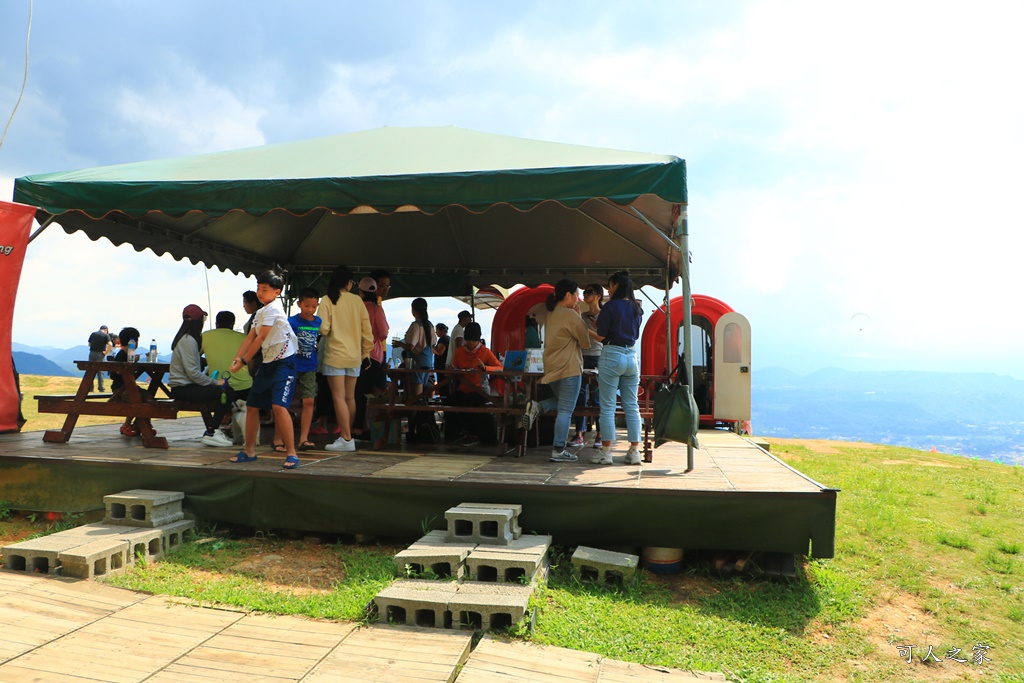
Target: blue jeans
x=618 y=371
x=564 y=401
x=586 y=398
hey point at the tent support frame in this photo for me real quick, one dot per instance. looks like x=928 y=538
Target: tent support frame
x=682 y=231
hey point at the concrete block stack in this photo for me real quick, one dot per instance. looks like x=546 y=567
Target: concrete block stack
x=138 y=524
x=491 y=569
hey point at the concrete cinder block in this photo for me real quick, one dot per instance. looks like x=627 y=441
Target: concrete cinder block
x=435 y=604
x=173 y=535
x=96 y=558
x=445 y=560
x=603 y=566
x=143 y=507
x=518 y=562
x=491 y=526
x=416 y=602
x=144 y=542
x=516 y=508
x=39 y=555
x=489 y=606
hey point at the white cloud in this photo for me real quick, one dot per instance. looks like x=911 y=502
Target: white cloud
x=187 y=114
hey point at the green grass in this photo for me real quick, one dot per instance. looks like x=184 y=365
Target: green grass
x=202 y=573
x=928 y=552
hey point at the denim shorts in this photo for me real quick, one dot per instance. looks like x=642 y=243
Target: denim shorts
x=331 y=371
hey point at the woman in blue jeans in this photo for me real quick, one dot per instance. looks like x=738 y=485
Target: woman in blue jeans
x=565 y=337
x=618 y=326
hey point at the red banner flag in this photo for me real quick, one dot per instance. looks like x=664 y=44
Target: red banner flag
x=15 y=222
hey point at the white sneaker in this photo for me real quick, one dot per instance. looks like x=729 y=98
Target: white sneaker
x=563 y=456
x=633 y=456
x=341 y=445
x=217 y=440
x=602 y=457
x=530 y=416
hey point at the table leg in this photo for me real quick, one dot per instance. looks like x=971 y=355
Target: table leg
x=63 y=435
x=148 y=434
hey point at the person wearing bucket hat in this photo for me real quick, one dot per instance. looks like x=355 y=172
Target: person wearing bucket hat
x=187 y=380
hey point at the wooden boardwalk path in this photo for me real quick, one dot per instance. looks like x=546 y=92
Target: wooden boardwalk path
x=67 y=631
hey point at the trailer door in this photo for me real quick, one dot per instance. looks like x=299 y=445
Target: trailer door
x=732 y=368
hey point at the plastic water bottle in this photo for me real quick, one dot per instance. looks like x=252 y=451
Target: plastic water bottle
x=131 y=350
x=152 y=351
x=216 y=376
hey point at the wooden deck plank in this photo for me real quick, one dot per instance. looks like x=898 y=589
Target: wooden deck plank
x=181 y=673
x=383 y=654
x=11 y=673
x=719 y=462
x=514 y=662
x=615 y=671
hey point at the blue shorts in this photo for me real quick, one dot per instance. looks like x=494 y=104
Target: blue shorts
x=331 y=371
x=273 y=385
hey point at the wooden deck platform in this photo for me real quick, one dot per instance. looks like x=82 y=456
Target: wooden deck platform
x=737 y=497
x=58 y=630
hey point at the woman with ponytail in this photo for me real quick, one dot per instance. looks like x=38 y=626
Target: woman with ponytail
x=346 y=325
x=565 y=338
x=419 y=345
x=618 y=327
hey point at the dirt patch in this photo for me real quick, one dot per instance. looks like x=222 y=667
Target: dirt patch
x=922 y=463
x=825 y=446
x=684 y=589
x=303 y=567
x=895 y=625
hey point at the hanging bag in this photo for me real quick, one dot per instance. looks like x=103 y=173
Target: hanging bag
x=676 y=417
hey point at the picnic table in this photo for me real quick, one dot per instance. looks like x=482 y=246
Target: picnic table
x=130 y=400
x=508 y=405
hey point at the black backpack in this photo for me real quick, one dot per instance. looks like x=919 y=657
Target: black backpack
x=423 y=429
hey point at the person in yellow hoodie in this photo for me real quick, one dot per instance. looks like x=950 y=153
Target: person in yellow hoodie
x=346 y=326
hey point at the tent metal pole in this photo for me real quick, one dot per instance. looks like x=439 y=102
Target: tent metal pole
x=654 y=227
x=42 y=227
x=684 y=248
x=670 y=353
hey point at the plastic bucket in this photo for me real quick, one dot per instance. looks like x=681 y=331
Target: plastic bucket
x=663 y=560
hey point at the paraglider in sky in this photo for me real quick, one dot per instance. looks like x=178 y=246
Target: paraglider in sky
x=860 y=321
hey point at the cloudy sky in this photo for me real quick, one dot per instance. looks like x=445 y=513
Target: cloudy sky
x=853 y=167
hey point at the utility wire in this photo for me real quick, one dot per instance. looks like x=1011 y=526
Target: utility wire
x=24 y=80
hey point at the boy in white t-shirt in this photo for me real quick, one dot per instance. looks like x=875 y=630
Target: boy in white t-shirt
x=274 y=382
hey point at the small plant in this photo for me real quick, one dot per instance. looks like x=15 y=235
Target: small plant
x=954 y=541
x=427 y=524
x=1008 y=548
x=5 y=510
x=999 y=563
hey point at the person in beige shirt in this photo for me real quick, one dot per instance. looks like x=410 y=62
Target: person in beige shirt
x=346 y=325
x=565 y=338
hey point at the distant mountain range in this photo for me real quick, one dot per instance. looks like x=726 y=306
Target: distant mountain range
x=972 y=414
x=62 y=361
x=34 y=364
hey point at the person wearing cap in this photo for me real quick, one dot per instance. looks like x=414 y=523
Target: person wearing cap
x=457 y=340
x=99 y=347
x=188 y=382
x=372 y=378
